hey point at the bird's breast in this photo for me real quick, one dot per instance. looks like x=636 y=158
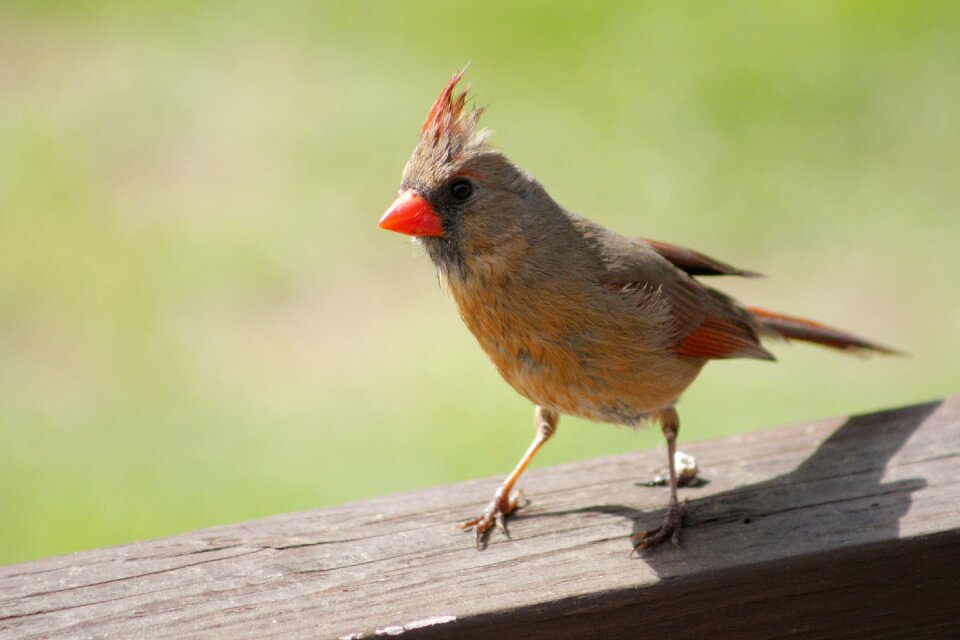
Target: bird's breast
x=561 y=351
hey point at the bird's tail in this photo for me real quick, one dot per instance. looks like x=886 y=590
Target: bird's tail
x=792 y=328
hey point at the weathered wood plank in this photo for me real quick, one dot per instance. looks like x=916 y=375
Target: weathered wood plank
x=840 y=528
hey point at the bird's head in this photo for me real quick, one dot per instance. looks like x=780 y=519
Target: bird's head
x=458 y=195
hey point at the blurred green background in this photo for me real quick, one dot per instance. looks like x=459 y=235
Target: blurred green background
x=200 y=322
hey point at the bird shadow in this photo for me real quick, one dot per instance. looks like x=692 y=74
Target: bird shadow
x=847 y=467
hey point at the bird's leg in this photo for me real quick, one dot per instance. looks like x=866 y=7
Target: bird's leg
x=505 y=500
x=673 y=521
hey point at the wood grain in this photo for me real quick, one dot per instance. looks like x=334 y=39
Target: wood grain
x=844 y=528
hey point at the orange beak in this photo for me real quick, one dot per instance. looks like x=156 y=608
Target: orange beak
x=412 y=214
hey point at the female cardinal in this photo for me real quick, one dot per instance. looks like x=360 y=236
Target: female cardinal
x=578 y=319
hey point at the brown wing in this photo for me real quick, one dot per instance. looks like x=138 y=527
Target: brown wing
x=703 y=322
x=724 y=330
x=695 y=263
x=712 y=324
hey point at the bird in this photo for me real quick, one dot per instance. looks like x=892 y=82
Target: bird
x=577 y=318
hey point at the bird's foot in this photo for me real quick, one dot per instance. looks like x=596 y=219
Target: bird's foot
x=495 y=514
x=669 y=528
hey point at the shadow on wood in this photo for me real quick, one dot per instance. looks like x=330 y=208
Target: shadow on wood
x=808 y=596
x=855 y=456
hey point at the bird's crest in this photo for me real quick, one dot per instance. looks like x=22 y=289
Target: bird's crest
x=450 y=128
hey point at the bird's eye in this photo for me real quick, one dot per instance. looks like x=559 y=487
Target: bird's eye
x=461 y=190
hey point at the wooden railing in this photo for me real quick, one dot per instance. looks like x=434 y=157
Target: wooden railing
x=842 y=528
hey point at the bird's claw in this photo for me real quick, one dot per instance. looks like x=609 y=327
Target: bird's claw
x=494 y=515
x=669 y=528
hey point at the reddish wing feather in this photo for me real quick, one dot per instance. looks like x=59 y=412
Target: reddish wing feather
x=696 y=263
x=719 y=338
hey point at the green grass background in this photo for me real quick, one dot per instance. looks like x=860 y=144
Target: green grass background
x=200 y=322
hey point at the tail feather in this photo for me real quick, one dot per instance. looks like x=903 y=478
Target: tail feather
x=793 y=328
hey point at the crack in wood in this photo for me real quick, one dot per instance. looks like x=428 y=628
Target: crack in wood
x=146 y=574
